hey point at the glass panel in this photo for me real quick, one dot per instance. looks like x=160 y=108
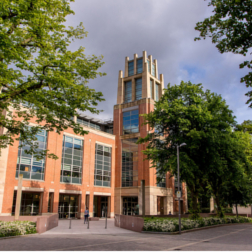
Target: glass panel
x=68 y=145
x=139 y=66
x=102 y=165
x=128 y=91
x=130 y=68
x=68 y=139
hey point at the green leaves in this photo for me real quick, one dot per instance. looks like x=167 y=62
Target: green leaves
x=38 y=69
x=213 y=156
x=230 y=29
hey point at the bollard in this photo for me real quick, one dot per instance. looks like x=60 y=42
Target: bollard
x=70 y=223
x=88 y=223
x=106 y=220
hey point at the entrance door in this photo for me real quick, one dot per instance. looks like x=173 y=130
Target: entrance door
x=104 y=206
x=160 y=205
x=68 y=206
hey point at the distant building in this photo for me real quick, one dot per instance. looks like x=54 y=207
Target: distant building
x=101 y=170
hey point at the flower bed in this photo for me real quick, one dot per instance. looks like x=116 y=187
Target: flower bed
x=172 y=224
x=13 y=228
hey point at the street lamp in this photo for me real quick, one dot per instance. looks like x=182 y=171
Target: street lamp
x=179 y=194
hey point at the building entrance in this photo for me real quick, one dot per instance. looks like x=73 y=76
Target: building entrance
x=100 y=206
x=68 y=206
x=30 y=203
x=160 y=205
x=130 y=206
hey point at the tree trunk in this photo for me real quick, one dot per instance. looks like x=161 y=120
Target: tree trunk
x=236 y=210
x=219 y=211
x=194 y=202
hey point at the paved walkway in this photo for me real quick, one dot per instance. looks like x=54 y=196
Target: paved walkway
x=78 y=227
x=231 y=237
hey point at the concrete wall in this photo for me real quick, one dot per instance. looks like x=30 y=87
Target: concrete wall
x=242 y=210
x=129 y=222
x=43 y=223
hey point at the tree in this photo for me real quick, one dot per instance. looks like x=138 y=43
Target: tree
x=230 y=28
x=229 y=170
x=38 y=70
x=246 y=126
x=187 y=114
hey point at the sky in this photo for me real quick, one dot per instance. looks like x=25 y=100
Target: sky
x=165 y=29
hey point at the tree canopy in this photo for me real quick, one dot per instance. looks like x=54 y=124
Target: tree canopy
x=230 y=28
x=201 y=119
x=39 y=75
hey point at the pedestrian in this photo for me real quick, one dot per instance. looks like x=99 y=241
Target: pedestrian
x=86 y=215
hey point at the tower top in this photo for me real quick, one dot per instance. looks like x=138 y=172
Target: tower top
x=140 y=80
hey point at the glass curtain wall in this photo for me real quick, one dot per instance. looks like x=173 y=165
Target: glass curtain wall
x=71 y=164
x=27 y=164
x=129 y=162
x=130 y=122
x=102 y=175
x=138 y=89
x=128 y=91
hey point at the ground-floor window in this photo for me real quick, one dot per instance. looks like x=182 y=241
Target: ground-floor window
x=130 y=206
x=68 y=206
x=29 y=203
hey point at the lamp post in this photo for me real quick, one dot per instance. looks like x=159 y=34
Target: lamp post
x=179 y=195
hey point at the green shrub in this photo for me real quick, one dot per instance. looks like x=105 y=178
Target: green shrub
x=172 y=225
x=228 y=210
x=13 y=228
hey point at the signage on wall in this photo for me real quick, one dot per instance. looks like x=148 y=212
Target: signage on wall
x=178 y=194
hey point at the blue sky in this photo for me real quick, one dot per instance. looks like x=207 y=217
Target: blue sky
x=165 y=29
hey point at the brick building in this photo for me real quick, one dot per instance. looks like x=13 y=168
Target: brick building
x=101 y=170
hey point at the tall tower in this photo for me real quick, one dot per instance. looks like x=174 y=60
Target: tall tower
x=138 y=90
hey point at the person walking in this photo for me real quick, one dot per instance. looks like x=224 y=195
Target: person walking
x=86 y=215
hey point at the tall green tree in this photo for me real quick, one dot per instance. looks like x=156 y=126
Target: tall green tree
x=39 y=71
x=187 y=114
x=230 y=28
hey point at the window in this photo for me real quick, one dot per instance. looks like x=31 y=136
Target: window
x=139 y=66
x=102 y=176
x=151 y=89
x=139 y=89
x=128 y=92
x=157 y=92
x=71 y=164
x=153 y=70
x=29 y=166
x=161 y=180
x=129 y=162
x=130 y=122
x=130 y=68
